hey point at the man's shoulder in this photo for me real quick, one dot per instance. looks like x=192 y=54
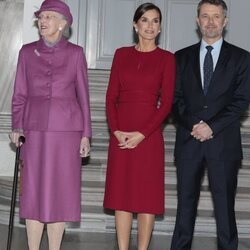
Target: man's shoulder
x=188 y=49
x=234 y=48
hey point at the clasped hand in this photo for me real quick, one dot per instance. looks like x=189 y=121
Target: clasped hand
x=202 y=132
x=128 y=140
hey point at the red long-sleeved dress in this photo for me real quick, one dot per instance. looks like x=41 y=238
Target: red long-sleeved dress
x=139 y=98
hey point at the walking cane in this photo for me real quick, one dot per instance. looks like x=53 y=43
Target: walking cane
x=21 y=139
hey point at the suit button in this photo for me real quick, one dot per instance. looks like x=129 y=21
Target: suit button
x=48 y=97
x=205 y=106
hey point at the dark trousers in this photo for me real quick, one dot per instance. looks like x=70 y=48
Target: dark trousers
x=222 y=177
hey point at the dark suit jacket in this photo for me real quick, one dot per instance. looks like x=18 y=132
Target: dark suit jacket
x=227 y=98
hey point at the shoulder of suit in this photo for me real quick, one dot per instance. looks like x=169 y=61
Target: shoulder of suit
x=235 y=49
x=188 y=49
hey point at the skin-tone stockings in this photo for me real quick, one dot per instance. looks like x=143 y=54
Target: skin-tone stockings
x=123 y=228
x=145 y=227
x=35 y=230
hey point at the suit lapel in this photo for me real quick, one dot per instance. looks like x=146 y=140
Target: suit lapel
x=195 y=58
x=222 y=60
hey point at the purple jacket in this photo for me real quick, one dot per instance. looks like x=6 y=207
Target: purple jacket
x=51 y=89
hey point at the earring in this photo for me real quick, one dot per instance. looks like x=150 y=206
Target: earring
x=159 y=31
x=136 y=30
x=60 y=28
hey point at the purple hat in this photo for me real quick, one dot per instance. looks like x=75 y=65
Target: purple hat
x=57 y=6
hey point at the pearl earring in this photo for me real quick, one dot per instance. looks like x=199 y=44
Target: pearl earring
x=136 y=30
x=60 y=28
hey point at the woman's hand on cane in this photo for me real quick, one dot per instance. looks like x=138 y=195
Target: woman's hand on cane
x=14 y=137
x=84 y=147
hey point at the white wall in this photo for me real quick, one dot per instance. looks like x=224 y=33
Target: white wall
x=239 y=23
x=30 y=33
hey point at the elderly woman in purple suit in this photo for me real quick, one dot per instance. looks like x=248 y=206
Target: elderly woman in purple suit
x=50 y=107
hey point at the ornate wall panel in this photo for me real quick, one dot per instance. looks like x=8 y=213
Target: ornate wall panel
x=181 y=24
x=109 y=25
x=239 y=23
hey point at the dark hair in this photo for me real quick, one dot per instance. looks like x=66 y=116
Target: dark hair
x=144 y=8
x=213 y=2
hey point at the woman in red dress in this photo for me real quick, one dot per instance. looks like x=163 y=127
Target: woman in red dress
x=139 y=98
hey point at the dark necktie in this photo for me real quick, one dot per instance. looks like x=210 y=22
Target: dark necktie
x=208 y=68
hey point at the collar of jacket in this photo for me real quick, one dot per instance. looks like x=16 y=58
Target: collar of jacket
x=41 y=46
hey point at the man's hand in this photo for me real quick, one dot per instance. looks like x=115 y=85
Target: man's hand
x=202 y=132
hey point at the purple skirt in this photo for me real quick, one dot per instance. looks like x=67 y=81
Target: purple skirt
x=51 y=177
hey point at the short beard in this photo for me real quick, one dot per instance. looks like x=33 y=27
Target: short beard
x=211 y=34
